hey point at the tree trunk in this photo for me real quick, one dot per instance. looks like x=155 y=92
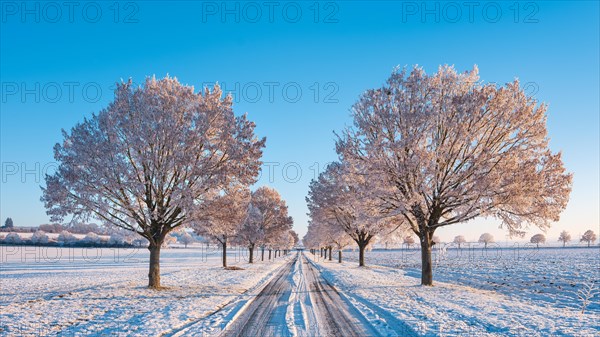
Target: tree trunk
x=224 y=253
x=426 y=267
x=251 y=254
x=154 y=273
x=269 y=254
x=262 y=254
x=340 y=256
x=361 y=254
x=330 y=248
x=321 y=251
x=564 y=243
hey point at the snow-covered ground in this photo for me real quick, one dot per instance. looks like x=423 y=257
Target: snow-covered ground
x=517 y=292
x=98 y=291
x=102 y=291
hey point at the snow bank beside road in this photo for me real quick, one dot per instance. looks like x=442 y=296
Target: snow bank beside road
x=78 y=297
x=393 y=301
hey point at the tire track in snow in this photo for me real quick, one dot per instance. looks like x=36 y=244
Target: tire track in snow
x=265 y=315
x=335 y=316
x=299 y=302
x=226 y=312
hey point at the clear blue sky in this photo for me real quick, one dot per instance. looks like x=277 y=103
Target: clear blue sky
x=58 y=64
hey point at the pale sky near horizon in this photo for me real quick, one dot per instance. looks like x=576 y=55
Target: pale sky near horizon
x=296 y=68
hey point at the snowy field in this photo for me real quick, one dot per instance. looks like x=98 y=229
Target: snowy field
x=49 y=291
x=101 y=291
x=518 y=292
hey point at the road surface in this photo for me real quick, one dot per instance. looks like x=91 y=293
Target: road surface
x=299 y=302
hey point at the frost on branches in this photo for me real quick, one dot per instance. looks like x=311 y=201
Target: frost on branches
x=338 y=201
x=147 y=162
x=223 y=215
x=267 y=221
x=445 y=148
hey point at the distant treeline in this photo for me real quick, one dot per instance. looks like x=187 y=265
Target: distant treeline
x=75 y=228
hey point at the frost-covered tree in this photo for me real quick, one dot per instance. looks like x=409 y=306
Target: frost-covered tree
x=223 y=216
x=486 y=238
x=393 y=238
x=277 y=222
x=66 y=238
x=266 y=220
x=186 y=239
x=295 y=238
x=52 y=228
x=446 y=148
x=409 y=241
x=459 y=239
x=537 y=239
x=564 y=237
x=329 y=234
x=312 y=239
x=251 y=232
x=39 y=237
x=9 y=223
x=147 y=161
x=339 y=197
x=589 y=236
x=13 y=238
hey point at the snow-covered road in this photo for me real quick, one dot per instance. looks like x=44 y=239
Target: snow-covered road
x=299 y=302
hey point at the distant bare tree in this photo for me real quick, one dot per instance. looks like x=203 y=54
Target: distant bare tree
x=564 y=237
x=186 y=239
x=459 y=240
x=537 y=239
x=486 y=238
x=409 y=240
x=589 y=236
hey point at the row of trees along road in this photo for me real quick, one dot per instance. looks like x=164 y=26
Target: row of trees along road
x=159 y=157
x=251 y=219
x=429 y=151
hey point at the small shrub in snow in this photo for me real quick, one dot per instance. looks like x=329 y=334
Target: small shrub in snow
x=116 y=239
x=66 y=238
x=92 y=238
x=12 y=238
x=587 y=293
x=39 y=237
